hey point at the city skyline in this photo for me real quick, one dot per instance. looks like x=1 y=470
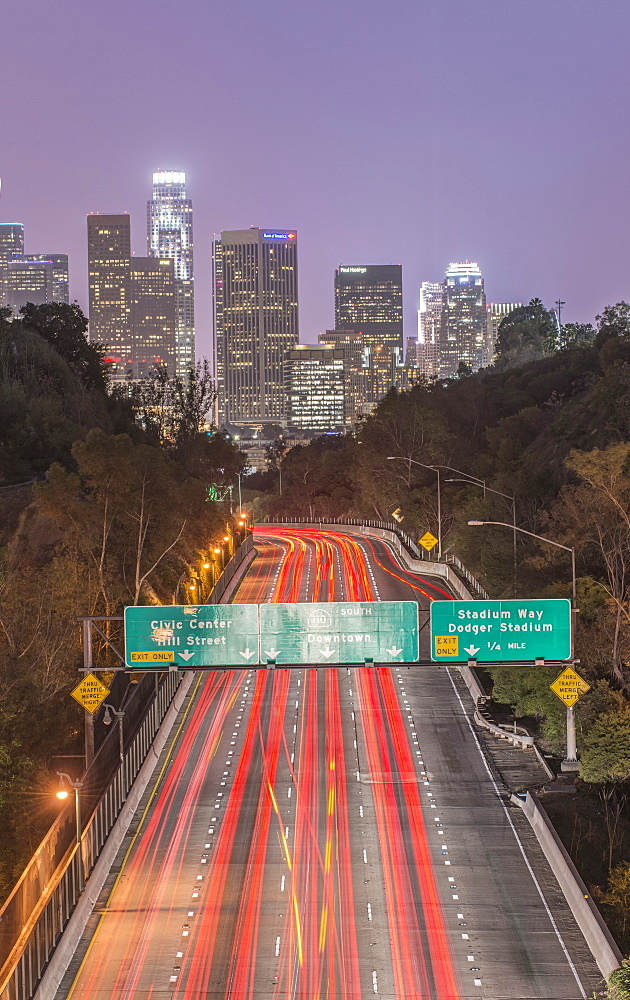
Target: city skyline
x=497 y=145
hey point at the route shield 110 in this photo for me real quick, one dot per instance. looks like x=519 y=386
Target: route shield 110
x=501 y=631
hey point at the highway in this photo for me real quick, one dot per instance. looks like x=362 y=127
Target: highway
x=330 y=833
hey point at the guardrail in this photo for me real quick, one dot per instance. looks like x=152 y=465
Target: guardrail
x=27 y=939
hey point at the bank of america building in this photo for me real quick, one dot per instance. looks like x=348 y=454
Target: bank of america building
x=255 y=322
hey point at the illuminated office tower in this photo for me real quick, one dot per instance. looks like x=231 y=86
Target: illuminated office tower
x=255 y=322
x=355 y=361
x=496 y=312
x=23 y=281
x=153 y=314
x=463 y=327
x=368 y=300
x=11 y=242
x=59 y=264
x=132 y=301
x=170 y=235
x=314 y=375
x=429 y=320
x=109 y=275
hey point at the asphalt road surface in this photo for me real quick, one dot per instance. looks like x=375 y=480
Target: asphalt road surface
x=331 y=833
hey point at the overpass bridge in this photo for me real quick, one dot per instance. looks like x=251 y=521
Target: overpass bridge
x=328 y=832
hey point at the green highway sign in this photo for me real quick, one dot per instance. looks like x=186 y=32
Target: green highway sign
x=501 y=631
x=215 y=635
x=343 y=632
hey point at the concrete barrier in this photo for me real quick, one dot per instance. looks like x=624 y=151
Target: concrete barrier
x=526 y=742
x=590 y=921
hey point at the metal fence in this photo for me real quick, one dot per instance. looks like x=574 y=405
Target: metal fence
x=31 y=927
x=414 y=550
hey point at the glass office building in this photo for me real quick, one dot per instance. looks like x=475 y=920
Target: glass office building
x=315 y=388
x=255 y=322
x=170 y=235
x=368 y=300
x=463 y=324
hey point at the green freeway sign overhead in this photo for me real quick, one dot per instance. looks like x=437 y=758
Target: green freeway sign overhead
x=501 y=631
x=216 y=635
x=384 y=631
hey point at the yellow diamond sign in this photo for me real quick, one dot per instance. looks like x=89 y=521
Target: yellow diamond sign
x=428 y=541
x=90 y=693
x=569 y=687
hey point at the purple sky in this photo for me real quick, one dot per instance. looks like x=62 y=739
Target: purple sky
x=415 y=132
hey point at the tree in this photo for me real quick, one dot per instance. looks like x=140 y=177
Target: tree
x=598 y=511
x=614 y=322
x=616 y=895
x=526 y=334
x=65 y=328
x=605 y=761
x=194 y=397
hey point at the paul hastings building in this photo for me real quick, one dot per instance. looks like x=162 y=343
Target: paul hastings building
x=255 y=322
x=368 y=300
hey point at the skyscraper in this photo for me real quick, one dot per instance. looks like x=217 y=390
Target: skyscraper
x=59 y=264
x=11 y=242
x=368 y=300
x=170 y=235
x=255 y=321
x=463 y=327
x=23 y=281
x=132 y=300
x=314 y=375
x=153 y=314
x=109 y=276
x=355 y=361
x=429 y=320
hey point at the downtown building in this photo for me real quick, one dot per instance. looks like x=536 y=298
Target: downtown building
x=40 y=278
x=170 y=236
x=315 y=388
x=463 y=322
x=255 y=323
x=132 y=301
x=429 y=323
x=368 y=300
x=496 y=311
x=355 y=371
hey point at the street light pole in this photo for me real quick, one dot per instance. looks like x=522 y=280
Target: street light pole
x=433 y=468
x=62 y=793
x=570 y=763
x=107 y=720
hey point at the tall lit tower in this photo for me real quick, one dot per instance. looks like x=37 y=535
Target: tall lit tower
x=255 y=322
x=463 y=328
x=170 y=235
x=429 y=320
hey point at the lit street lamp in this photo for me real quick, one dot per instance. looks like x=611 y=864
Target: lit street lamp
x=571 y=761
x=433 y=468
x=107 y=721
x=62 y=793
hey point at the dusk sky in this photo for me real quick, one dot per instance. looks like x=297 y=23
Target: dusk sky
x=417 y=132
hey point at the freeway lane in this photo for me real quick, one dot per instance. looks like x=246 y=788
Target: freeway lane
x=330 y=833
